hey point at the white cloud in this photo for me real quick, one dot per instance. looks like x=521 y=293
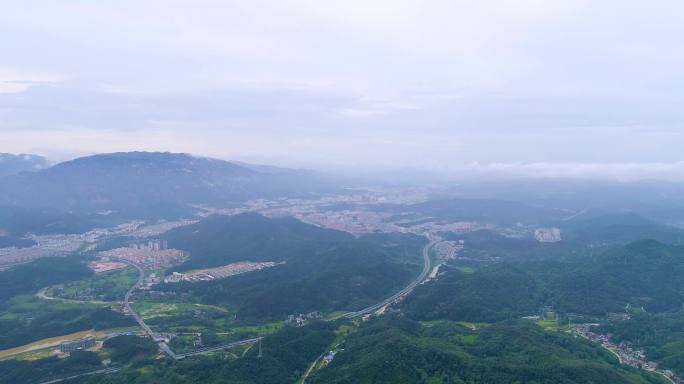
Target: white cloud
x=673 y=171
x=432 y=84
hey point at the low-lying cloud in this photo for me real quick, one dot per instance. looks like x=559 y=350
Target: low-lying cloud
x=598 y=171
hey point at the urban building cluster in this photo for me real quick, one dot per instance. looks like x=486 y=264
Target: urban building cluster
x=346 y=212
x=456 y=227
x=152 y=245
x=360 y=221
x=444 y=251
x=61 y=244
x=153 y=254
x=447 y=250
x=341 y=212
x=352 y=221
x=219 y=272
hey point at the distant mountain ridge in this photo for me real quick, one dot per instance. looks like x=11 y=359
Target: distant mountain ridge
x=12 y=164
x=615 y=228
x=144 y=180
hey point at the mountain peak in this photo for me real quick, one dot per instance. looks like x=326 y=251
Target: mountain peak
x=131 y=181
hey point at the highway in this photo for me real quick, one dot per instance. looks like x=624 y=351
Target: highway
x=161 y=342
x=97 y=372
x=127 y=304
x=423 y=275
x=218 y=348
x=427 y=265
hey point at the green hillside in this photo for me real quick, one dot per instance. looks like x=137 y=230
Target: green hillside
x=643 y=274
x=396 y=350
x=323 y=270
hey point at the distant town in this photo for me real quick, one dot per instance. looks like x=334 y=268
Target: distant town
x=354 y=212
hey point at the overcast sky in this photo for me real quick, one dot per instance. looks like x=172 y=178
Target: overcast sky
x=593 y=88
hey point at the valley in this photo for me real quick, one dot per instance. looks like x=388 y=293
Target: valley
x=341 y=192
x=454 y=276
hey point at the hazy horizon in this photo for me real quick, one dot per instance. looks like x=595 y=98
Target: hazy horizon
x=474 y=172
x=528 y=88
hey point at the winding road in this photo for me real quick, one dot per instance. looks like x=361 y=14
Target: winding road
x=419 y=279
x=427 y=265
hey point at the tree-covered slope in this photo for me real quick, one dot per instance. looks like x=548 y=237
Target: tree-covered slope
x=643 y=274
x=618 y=228
x=30 y=277
x=320 y=270
x=219 y=240
x=27 y=319
x=496 y=293
x=396 y=350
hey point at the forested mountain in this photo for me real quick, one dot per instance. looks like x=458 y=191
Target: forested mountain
x=30 y=277
x=643 y=274
x=396 y=350
x=18 y=221
x=499 y=292
x=161 y=183
x=487 y=244
x=658 y=200
x=321 y=270
x=219 y=240
x=618 y=228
